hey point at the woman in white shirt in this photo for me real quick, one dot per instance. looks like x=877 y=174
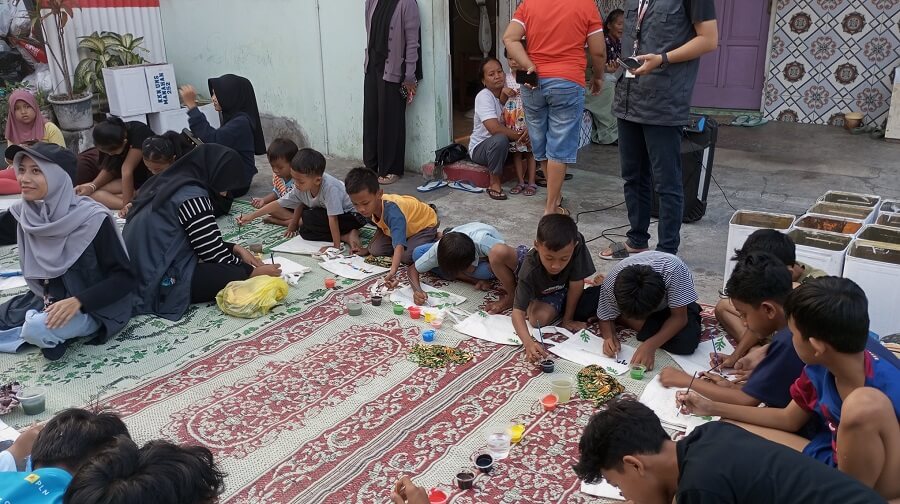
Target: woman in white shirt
x=489 y=143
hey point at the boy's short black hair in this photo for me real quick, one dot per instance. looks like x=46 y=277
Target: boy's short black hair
x=773 y=242
x=557 y=231
x=831 y=309
x=361 y=179
x=455 y=253
x=72 y=436
x=759 y=277
x=639 y=290
x=309 y=162
x=158 y=472
x=282 y=148
x=625 y=427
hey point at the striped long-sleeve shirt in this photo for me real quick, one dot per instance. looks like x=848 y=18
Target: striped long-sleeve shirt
x=197 y=218
x=679 y=282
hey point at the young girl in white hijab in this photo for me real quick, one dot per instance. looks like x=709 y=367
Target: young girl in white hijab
x=72 y=257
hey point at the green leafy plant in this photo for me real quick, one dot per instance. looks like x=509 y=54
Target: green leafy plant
x=105 y=50
x=60 y=11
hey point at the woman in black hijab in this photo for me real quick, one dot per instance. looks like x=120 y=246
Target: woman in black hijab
x=393 y=68
x=241 y=129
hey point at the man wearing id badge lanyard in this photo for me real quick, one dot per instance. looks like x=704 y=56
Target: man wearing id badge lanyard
x=652 y=104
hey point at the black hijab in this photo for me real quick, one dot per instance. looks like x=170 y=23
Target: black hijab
x=235 y=95
x=216 y=167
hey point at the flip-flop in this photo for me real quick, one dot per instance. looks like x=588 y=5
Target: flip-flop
x=563 y=211
x=619 y=251
x=465 y=185
x=741 y=120
x=756 y=121
x=497 y=195
x=432 y=185
x=388 y=179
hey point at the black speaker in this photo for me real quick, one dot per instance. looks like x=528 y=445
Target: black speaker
x=697 y=154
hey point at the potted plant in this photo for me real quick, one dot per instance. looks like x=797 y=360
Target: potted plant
x=72 y=110
x=105 y=50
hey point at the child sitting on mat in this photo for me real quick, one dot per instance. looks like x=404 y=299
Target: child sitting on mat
x=652 y=293
x=322 y=210
x=280 y=153
x=781 y=246
x=474 y=253
x=758 y=288
x=404 y=223
x=851 y=385
x=550 y=280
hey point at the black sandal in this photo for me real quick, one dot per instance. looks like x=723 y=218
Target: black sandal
x=497 y=195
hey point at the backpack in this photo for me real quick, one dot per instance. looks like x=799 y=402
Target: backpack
x=448 y=155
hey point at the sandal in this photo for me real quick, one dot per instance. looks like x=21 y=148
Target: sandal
x=529 y=190
x=619 y=250
x=563 y=211
x=517 y=189
x=388 y=179
x=496 y=195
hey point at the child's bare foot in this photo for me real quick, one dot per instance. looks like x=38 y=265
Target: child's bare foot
x=269 y=219
x=501 y=305
x=484 y=285
x=362 y=252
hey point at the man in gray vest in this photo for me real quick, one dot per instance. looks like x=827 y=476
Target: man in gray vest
x=652 y=105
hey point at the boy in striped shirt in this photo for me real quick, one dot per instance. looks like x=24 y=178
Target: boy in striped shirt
x=652 y=293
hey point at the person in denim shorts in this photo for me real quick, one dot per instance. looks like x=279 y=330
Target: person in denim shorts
x=556 y=31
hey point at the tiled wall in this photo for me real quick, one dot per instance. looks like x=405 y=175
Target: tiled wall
x=832 y=56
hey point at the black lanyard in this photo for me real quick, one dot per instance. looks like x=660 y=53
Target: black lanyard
x=643 y=5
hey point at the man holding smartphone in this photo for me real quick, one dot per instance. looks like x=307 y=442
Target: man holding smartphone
x=665 y=39
x=556 y=31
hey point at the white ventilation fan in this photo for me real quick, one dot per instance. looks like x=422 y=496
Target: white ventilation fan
x=485 y=37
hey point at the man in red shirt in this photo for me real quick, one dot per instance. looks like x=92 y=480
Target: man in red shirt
x=556 y=31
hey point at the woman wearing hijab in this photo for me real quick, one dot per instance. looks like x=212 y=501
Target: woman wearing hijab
x=393 y=68
x=174 y=241
x=25 y=124
x=72 y=257
x=241 y=129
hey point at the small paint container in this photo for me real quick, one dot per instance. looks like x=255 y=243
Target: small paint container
x=465 y=479
x=637 y=371
x=436 y=496
x=398 y=309
x=484 y=463
x=428 y=336
x=516 y=431
x=415 y=312
x=256 y=248
x=429 y=317
x=437 y=323
x=547 y=365
x=330 y=283
x=549 y=402
x=376 y=300
x=355 y=308
x=33 y=400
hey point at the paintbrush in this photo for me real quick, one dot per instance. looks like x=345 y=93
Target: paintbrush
x=272 y=257
x=688 y=391
x=715 y=354
x=541 y=336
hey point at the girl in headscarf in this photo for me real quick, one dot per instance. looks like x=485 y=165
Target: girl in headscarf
x=160 y=153
x=176 y=245
x=26 y=124
x=122 y=169
x=72 y=257
x=241 y=129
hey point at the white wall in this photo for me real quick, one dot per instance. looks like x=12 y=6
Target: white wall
x=305 y=59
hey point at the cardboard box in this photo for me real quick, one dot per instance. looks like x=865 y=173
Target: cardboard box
x=163 y=91
x=877 y=271
x=743 y=223
x=126 y=90
x=177 y=120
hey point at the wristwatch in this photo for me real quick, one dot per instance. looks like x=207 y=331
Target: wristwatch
x=665 y=60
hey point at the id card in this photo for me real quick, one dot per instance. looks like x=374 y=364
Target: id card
x=629 y=75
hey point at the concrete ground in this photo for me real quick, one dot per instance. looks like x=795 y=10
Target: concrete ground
x=779 y=167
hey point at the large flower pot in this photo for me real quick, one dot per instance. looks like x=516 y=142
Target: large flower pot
x=75 y=114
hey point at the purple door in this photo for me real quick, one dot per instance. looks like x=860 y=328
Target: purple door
x=732 y=76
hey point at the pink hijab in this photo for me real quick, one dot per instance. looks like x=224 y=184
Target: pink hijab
x=16 y=132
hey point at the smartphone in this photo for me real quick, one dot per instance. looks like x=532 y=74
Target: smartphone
x=630 y=63
x=523 y=77
x=404 y=93
x=191 y=137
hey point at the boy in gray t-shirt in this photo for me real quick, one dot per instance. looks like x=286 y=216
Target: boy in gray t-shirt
x=322 y=209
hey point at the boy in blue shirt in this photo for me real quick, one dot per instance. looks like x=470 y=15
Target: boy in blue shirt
x=851 y=384
x=757 y=288
x=68 y=441
x=474 y=253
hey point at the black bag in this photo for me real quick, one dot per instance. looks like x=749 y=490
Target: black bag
x=448 y=155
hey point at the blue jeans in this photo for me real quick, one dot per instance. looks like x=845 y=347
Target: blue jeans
x=35 y=331
x=652 y=154
x=482 y=271
x=553 y=112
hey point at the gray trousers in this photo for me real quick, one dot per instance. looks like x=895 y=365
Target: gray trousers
x=492 y=153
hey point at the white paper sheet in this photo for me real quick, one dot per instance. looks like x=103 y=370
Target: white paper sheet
x=12 y=282
x=290 y=270
x=586 y=348
x=494 y=328
x=699 y=360
x=7 y=433
x=354 y=268
x=662 y=401
x=436 y=297
x=602 y=489
x=298 y=245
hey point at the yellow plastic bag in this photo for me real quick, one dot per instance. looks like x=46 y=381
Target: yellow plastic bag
x=252 y=298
